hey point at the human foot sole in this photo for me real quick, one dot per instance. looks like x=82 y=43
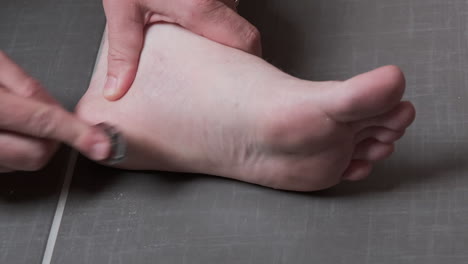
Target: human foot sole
x=198 y=106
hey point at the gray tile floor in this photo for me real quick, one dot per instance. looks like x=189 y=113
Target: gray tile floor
x=412 y=210
x=56 y=41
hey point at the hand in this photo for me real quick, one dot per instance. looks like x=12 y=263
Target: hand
x=32 y=123
x=214 y=19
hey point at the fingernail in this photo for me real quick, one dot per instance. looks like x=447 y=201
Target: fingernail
x=110 y=88
x=101 y=149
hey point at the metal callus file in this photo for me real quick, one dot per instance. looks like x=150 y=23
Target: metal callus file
x=118 y=144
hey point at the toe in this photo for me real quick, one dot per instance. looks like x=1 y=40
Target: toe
x=397 y=119
x=381 y=134
x=373 y=150
x=357 y=170
x=366 y=95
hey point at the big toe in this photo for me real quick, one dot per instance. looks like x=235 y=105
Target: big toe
x=366 y=95
x=398 y=119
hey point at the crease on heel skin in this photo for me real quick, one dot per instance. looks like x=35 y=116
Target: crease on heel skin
x=118 y=144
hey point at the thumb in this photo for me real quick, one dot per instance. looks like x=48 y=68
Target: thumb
x=125 y=27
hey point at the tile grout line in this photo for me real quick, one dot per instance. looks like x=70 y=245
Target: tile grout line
x=60 y=209
x=49 y=250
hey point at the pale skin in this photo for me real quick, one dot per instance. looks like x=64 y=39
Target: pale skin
x=32 y=123
x=202 y=107
x=126 y=19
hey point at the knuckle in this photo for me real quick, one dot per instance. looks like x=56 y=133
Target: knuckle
x=197 y=9
x=116 y=56
x=45 y=121
x=124 y=51
x=252 y=36
x=30 y=88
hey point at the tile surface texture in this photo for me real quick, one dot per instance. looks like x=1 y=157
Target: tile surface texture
x=412 y=210
x=56 y=41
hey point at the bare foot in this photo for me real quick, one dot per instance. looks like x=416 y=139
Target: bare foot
x=197 y=106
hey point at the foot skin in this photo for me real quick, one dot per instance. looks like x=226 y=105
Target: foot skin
x=197 y=106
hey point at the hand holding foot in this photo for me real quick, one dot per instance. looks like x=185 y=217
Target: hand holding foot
x=214 y=19
x=198 y=106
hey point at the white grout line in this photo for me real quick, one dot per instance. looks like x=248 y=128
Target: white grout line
x=60 y=209
x=57 y=221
